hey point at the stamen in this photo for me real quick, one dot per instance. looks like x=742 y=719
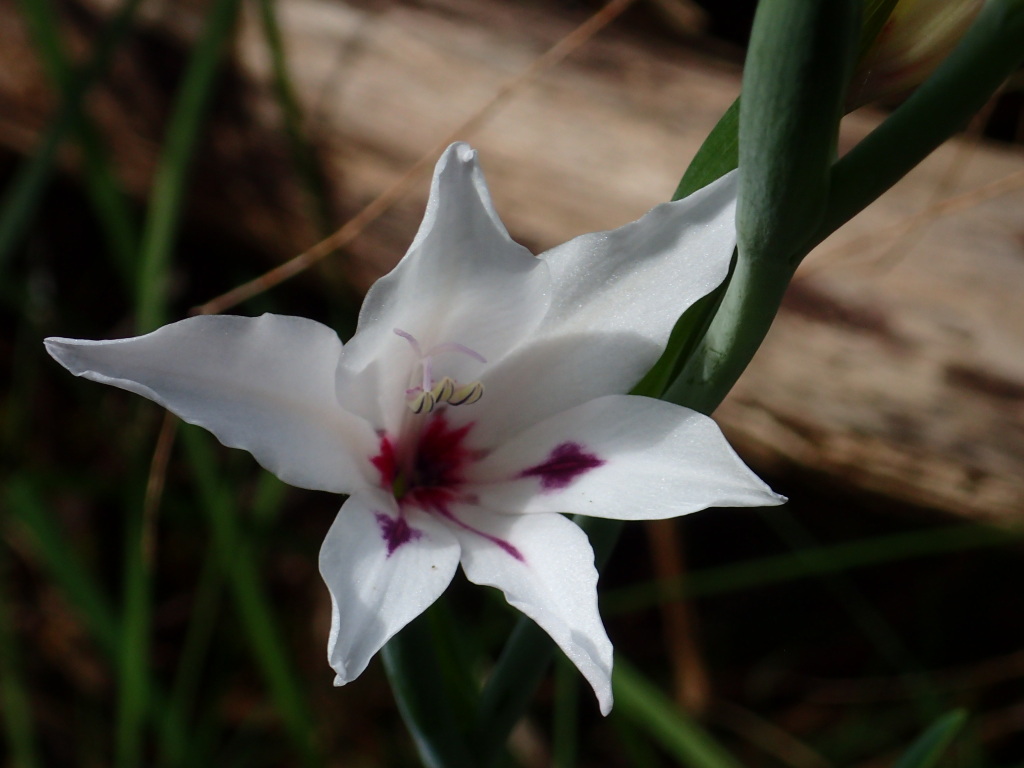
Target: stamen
x=443 y=391
x=424 y=402
x=425 y=397
x=467 y=395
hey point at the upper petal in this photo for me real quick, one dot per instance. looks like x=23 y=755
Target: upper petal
x=549 y=576
x=615 y=298
x=381 y=576
x=463 y=281
x=620 y=457
x=265 y=384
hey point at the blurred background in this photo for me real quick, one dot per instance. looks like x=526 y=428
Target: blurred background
x=159 y=597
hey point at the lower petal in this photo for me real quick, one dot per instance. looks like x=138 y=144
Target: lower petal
x=382 y=571
x=551 y=578
x=620 y=457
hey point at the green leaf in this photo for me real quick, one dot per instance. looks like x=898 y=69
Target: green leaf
x=15 y=704
x=639 y=701
x=718 y=155
x=423 y=698
x=929 y=747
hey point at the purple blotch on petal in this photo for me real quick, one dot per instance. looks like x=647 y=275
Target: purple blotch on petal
x=566 y=462
x=396 y=531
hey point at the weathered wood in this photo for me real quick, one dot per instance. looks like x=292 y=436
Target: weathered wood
x=902 y=375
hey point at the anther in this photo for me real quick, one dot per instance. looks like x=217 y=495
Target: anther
x=444 y=390
x=467 y=395
x=428 y=395
x=424 y=402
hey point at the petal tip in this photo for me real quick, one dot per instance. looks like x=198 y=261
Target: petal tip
x=463 y=152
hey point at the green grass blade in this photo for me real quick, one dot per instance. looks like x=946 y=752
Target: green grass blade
x=303 y=157
x=79 y=586
x=31 y=515
x=195 y=648
x=21 y=197
x=248 y=596
x=778 y=569
x=14 y=700
x=647 y=708
x=565 y=728
x=105 y=195
x=930 y=746
x=133 y=651
x=638 y=750
x=169 y=184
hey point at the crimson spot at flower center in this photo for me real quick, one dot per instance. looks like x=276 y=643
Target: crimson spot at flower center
x=430 y=478
x=566 y=462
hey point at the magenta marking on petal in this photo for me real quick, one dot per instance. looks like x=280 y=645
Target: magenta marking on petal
x=566 y=462
x=497 y=541
x=395 y=531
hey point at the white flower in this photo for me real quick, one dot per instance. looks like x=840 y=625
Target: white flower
x=477 y=403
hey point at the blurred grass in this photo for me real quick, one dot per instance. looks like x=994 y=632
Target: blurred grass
x=211 y=653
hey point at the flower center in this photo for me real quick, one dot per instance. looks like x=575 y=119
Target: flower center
x=431 y=474
x=430 y=392
x=428 y=475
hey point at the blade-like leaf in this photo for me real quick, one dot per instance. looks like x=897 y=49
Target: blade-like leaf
x=638 y=700
x=929 y=747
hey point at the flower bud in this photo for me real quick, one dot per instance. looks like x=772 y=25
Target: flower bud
x=917 y=36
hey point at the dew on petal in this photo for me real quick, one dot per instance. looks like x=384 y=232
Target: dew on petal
x=566 y=462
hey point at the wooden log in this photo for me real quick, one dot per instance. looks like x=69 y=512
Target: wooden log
x=896 y=366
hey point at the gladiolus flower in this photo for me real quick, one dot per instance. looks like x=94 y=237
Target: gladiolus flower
x=479 y=401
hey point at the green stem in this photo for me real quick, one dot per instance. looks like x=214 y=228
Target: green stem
x=798 y=66
x=750 y=304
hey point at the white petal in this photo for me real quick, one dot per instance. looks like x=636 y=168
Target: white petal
x=553 y=581
x=462 y=281
x=615 y=299
x=620 y=457
x=265 y=384
x=374 y=592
